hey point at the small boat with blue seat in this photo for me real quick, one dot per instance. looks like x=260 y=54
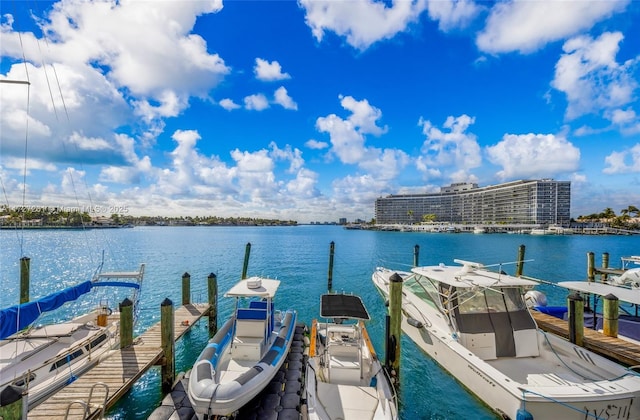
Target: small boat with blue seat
x=245 y=354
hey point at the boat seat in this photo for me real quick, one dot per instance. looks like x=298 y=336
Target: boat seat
x=344 y=364
x=249 y=339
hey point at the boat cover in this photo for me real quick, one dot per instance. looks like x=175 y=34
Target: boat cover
x=342 y=306
x=17 y=317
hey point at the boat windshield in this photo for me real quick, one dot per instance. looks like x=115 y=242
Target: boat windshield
x=492 y=300
x=422 y=288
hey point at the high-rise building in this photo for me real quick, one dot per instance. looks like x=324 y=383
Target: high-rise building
x=543 y=202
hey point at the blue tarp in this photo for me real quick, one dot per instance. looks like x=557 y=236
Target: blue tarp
x=15 y=318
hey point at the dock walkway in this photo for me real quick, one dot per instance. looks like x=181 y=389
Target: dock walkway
x=119 y=371
x=622 y=351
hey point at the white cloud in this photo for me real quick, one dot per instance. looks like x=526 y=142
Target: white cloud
x=362 y=22
x=281 y=97
x=228 y=104
x=257 y=102
x=452 y=14
x=315 y=144
x=527 y=26
x=533 y=156
x=454 y=152
x=627 y=161
x=588 y=74
x=294 y=156
x=269 y=71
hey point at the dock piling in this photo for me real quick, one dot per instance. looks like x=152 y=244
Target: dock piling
x=247 y=251
x=605 y=264
x=520 y=261
x=25 y=268
x=167 y=339
x=576 y=319
x=186 y=288
x=332 y=247
x=416 y=255
x=395 y=330
x=610 y=314
x=212 y=282
x=126 y=323
x=591 y=266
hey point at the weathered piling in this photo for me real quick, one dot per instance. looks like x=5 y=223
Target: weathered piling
x=591 y=270
x=126 y=323
x=12 y=403
x=605 y=264
x=332 y=247
x=186 y=289
x=416 y=255
x=212 y=282
x=610 y=314
x=25 y=266
x=167 y=340
x=576 y=319
x=395 y=326
x=247 y=251
x=520 y=261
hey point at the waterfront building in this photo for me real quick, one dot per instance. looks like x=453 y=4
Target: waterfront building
x=543 y=202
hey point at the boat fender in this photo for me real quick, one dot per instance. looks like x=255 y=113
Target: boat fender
x=415 y=323
x=523 y=414
x=374 y=382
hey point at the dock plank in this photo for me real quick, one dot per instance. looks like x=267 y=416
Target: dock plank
x=622 y=351
x=119 y=371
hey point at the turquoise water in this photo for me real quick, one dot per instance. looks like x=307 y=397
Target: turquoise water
x=299 y=257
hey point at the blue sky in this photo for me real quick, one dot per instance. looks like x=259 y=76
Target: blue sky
x=310 y=110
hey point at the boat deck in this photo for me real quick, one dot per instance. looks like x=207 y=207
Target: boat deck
x=119 y=371
x=622 y=351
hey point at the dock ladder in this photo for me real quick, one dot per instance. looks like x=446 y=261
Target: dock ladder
x=88 y=405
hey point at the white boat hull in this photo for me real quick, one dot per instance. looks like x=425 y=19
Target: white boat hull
x=544 y=392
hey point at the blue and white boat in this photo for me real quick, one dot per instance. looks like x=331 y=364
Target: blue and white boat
x=42 y=358
x=245 y=354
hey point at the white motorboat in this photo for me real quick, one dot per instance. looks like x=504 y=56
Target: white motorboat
x=344 y=378
x=245 y=354
x=41 y=359
x=474 y=322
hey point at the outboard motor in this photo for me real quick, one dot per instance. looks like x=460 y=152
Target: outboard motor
x=535 y=298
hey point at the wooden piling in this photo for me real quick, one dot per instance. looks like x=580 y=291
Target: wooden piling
x=590 y=266
x=605 y=264
x=520 y=261
x=610 y=314
x=332 y=247
x=25 y=268
x=576 y=319
x=186 y=289
x=167 y=340
x=212 y=282
x=126 y=323
x=416 y=255
x=247 y=251
x=395 y=333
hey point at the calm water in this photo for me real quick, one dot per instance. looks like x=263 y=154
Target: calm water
x=298 y=256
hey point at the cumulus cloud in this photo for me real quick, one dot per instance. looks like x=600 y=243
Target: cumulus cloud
x=588 y=74
x=282 y=98
x=452 y=14
x=533 y=156
x=451 y=153
x=257 y=102
x=361 y=22
x=315 y=144
x=269 y=71
x=228 y=104
x=527 y=26
x=626 y=161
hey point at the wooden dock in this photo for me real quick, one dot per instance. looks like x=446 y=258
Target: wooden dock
x=622 y=351
x=119 y=371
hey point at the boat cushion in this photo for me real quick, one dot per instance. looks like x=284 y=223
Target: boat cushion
x=250 y=328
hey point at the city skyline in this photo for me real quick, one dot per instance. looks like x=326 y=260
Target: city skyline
x=311 y=110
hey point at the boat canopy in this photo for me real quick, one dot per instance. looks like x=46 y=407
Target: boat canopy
x=343 y=306
x=18 y=317
x=602 y=289
x=254 y=287
x=471 y=276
